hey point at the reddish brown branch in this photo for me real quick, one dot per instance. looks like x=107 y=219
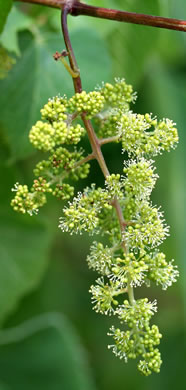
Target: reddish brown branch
x=129 y=17
x=79 y=8
x=49 y=3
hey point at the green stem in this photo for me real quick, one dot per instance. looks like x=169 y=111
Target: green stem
x=130 y=291
x=122 y=291
x=108 y=140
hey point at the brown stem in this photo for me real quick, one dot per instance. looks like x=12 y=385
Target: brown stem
x=129 y=17
x=79 y=8
x=49 y=3
x=94 y=141
x=78 y=88
x=95 y=145
x=71 y=56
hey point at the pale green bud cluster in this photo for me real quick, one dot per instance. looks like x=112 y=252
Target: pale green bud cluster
x=52 y=174
x=118 y=97
x=41 y=185
x=140 y=178
x=28 y=202
x=107 y=122
x=55 y=109
x=42 y=136
x=63 y=163
x=121 y=210
x=63 y=191
x=142 y=134
x=160 y=271
x=45 y=136
x=91 y=103
x=119 y=94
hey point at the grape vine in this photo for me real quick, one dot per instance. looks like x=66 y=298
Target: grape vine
x=121 y=211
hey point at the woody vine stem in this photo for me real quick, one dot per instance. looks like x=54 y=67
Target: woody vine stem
x=77 y=8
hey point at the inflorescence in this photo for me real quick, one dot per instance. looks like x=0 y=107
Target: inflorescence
x=132 y=257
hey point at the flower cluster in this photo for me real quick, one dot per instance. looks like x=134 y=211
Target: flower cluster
x=118 y=94
x=140 y=339
x=103 y=296
x=121 y=210
x=91 y=103
x=29 y=202
x=83 y=213
x=118 y=97
x=148 y=229
x=143 y=135
x=127 y=268
x=45 y=136
x=55 y=109
x=160 y=271
x=140 y=178
x=100 y=258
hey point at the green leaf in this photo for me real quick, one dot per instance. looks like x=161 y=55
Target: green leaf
x=36 y=77
x=17 y=21
x=24 y=246
x=44 y=353
x=131 y=45
x=92 y=56
x=5 y=7
x=23 y=262
x=4 y=387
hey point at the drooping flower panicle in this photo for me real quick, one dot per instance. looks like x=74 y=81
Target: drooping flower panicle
x=134 y=230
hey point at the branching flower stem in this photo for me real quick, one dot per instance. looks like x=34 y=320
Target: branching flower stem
x=79 y=8
x=108 y=140
x=76 y=165
x=94 y=141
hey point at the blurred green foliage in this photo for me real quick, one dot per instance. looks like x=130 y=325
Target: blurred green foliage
x=43 y=271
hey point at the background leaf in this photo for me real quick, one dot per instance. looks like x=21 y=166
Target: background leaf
x=5 y=7
x=17 y=21
x=44 y=353
x=37 y=77
x=133 y=44
x=24 y=248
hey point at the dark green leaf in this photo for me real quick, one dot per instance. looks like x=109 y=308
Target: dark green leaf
x=44 y=353
x=133 y=45
x=24 y=248
x=5 y=7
